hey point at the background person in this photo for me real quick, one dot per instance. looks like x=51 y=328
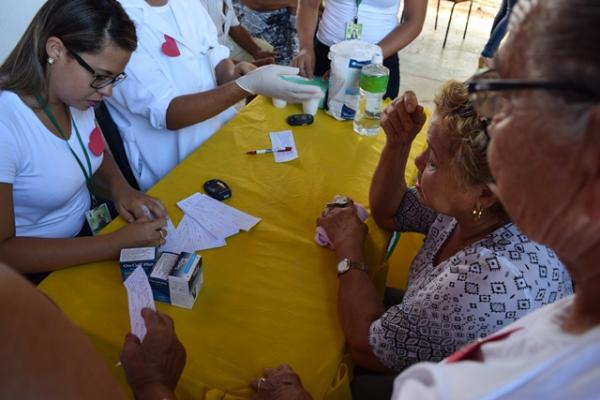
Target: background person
x=52 y=159
x=499 y=28
x=183 y=86
x=475 y=273
x=544 y=154
x=241 y=44
x=273 y=21
x=379 y=20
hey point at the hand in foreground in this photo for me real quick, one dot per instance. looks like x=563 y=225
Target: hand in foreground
x=153 y=367
x=344 y=229
x=268 y=81
x=263 y=54
x=280 y=383
x=133 y=205
x=142 y=232
x=242 y=68
x=305 y=61
x=403 y=119
x=259 y=62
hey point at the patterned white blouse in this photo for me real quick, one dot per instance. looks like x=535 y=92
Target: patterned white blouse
x=479 y=290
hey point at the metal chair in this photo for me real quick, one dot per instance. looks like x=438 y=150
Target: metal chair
x=455 y=2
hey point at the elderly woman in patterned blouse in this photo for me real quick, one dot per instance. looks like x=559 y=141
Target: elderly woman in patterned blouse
x=475 y=273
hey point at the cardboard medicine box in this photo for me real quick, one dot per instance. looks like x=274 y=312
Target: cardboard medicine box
x=135 y=257
x=177 y=278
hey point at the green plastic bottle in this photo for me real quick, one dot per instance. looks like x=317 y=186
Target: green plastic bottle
x=374 y=79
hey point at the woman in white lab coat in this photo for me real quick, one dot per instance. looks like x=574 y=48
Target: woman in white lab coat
x=182 y=86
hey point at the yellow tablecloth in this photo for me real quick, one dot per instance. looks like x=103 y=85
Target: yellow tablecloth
x=270 y=295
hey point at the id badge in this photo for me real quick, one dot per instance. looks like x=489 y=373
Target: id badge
x=353 y=31
x=97 y=218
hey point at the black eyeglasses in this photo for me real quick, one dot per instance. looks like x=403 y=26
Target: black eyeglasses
x=484 y=87
x=100 y=80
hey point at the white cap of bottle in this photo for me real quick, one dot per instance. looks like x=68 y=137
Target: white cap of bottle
x=377 y=58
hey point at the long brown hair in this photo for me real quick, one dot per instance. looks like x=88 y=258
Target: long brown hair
x=84 y=26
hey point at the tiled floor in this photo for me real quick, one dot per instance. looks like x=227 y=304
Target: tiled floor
x=424 y=65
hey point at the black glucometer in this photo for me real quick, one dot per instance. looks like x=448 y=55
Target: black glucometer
x=300 y=119
x=217 y=189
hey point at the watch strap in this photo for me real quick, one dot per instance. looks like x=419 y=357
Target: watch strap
x=354 y=265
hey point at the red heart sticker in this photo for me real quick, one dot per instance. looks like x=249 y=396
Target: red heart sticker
x=169 y=47
x=96 y=144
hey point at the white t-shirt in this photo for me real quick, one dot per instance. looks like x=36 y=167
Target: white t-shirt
x=50 y=196
x=378 y=17
x=223 y=15
x=539 y=361
x=139 y=105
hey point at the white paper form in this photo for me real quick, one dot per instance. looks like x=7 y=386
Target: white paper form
x=139 y=294
x=227 y=213
x=189 y=237
x=283 y=139
x=194 y=207
x=193 y=237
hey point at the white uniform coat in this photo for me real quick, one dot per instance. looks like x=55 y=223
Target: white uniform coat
x=139 y=104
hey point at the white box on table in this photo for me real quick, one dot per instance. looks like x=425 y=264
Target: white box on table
x=177 y=278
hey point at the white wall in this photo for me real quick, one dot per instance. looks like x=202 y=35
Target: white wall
x=14 y=19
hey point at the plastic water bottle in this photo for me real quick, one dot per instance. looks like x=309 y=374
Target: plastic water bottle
x=373 y=84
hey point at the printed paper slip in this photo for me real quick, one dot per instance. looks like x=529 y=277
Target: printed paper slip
x=216 y=216
x=139 y=295
x=189 y=237
x=193 y=206
x=195 y=238
x=226 y=213
x=284 y=139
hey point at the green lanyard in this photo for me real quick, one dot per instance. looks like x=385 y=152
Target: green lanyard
x=87 y=174
x=356 y=15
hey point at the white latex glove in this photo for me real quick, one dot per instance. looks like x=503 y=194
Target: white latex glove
x=268 y=82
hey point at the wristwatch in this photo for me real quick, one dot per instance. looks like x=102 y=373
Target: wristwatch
x=347 y=264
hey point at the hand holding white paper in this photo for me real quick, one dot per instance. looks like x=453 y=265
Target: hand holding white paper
x=268 y=82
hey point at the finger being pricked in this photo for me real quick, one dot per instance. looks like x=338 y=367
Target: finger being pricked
x=390 y=122
x=410 y=101
x=404 y=115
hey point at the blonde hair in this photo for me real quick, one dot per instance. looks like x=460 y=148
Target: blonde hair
x=468 y=140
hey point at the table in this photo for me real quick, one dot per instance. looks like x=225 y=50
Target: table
x=269 y=296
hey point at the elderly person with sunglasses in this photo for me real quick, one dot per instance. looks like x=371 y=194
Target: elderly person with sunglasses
x=53 y=166
x=475 y=273
x=543 y=102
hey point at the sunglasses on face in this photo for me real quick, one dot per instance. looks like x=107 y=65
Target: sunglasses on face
x=100 y=80
x=486 y=88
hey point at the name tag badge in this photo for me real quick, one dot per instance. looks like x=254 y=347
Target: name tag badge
x=97 y=218
x=353 y=31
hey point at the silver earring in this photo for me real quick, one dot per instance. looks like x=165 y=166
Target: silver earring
x=50 y=60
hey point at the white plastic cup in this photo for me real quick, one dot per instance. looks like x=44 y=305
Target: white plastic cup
x=311 y=106
x=279 y=103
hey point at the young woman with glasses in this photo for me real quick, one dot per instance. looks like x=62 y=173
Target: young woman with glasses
x=53 y=165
